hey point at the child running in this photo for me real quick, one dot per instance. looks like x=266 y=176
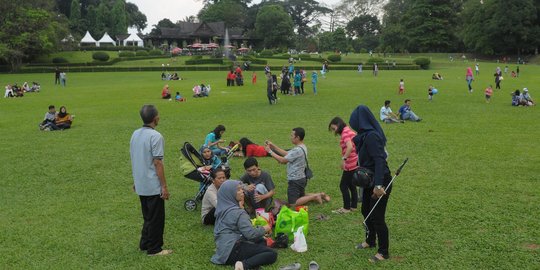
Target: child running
x=489 y=92
x=401 y=87
x=430 y=93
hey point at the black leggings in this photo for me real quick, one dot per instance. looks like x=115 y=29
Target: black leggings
x=376 y=223
x=252 y=254
x=348 y=190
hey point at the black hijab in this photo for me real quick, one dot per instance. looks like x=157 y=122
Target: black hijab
x=363 y=122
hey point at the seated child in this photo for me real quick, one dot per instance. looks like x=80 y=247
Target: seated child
x=179 y=98
x=210 y=162
x=197 y=91
x=9 y=91
x=48 y=123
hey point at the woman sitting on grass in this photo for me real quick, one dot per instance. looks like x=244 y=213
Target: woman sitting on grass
x=165 y=93
x=238 y=243
x=63 y=118
x=213 y=140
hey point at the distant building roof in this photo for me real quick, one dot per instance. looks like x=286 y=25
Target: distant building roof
x=204 y=29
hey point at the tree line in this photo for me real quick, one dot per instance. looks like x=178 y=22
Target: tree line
x=491 y=27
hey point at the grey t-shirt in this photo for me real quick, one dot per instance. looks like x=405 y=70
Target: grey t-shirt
x=264 y=179
x=145 y=146
x=297 y=163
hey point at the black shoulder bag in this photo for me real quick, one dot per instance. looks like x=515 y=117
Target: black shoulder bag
x=307 y=170
x=362 y=177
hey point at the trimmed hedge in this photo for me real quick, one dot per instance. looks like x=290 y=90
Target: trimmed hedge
x=141 y=53
x=113 y=48
x=155 y=52
x=59 y=60
x=423 y=62
x=267 y=53
x=126 y=54
x=101 y=56
x=373 y=60
x=304 y=56
x=196 y=57
x=255 y=60
x=204 y=61
x=334 y=58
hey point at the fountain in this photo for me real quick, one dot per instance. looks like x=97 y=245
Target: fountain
x=227 y=46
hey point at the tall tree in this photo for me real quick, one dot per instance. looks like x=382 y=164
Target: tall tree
x=119 y=18
x=94 y=26
x=75 y=17
x=304 y=13
x=135 y=18
x=274 y=26
x=363 y=25
x=156 y=30
x=29 y=29
x=500 y=27
x=393 y=32
x=232 y=12
x=355 y=8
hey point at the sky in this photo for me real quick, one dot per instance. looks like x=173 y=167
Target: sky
x=175 y=10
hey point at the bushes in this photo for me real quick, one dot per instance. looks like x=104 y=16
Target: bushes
x=155 y=52
x=141 y=53
x=113 y=48
x=255 y=61
x=304 y=56
x=266 y=53
x=373 y=60
x=101 y=56
x=334 y=58
x=59 y=60
x=196 y=57
x=423 y=62
x=204 y=61
x=126 y=54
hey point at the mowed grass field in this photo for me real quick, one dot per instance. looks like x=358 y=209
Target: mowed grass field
x=468 y=198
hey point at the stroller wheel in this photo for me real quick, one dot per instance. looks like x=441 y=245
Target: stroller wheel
x=190 y=205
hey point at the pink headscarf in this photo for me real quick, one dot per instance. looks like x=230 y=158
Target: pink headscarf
x=469 y=71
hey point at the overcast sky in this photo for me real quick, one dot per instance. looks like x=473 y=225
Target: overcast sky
x=175 y=10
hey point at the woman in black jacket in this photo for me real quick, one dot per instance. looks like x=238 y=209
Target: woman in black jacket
x=370 y=145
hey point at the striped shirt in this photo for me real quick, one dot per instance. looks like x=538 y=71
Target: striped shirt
x=352 y=160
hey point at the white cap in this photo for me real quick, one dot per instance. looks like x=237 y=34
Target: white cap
x=525 y=89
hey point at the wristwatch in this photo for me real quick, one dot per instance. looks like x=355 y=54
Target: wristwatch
x=378 y=187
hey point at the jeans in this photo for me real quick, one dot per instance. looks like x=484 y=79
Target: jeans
x=469 y=82
x=348 y=190
x=252 y=254
x=410 y=116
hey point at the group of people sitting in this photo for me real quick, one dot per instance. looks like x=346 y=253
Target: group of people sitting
x=13 y=90
x=166 y=94
x=201 y=90
x=436 y=76
x=405 y=113
x=169 y=77
x=522 y=98
x=56 y=120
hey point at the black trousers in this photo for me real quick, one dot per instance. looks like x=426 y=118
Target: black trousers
x=252 y=254
x=348 y=190
x=210 y=219
x=57 y=79
x=376 y=223
x=153 y=210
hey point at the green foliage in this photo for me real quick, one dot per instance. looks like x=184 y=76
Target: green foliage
x=334 y=58
x=231 y=12
x=204 y=61
x=303 y=13
x=100 y=56
x=363 y=25
x=113 y=48
x=274 y=26
x=59 y=60
x=126 y=54
x=304 y=56
x=141 y=53
x=196 y=57
x=254 y=60
x=119 y=20
x=373 y=60
x=155 y=52
x=266 y=53
x=423 y=62
x=135 y=18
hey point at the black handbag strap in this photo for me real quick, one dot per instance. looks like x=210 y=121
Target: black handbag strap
x=305 y=156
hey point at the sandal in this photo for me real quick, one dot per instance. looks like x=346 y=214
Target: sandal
x=292 y=266
x=376 y=259
x=363 y=245
x=341 y=211
x=313 y=265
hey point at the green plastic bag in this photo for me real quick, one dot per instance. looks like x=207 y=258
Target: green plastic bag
x=259 y=221
x=289 y=221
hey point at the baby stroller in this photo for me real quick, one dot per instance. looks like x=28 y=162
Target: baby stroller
x=190 y=170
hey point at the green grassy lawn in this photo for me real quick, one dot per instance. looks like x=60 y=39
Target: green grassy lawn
x=468 y=199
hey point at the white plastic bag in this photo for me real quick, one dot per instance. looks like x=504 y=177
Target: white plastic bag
x=300 y=244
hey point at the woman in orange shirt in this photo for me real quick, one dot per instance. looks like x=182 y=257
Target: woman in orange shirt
x=63 y=118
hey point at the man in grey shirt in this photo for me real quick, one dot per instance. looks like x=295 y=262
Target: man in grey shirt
x=146 y=150
x=296 y=165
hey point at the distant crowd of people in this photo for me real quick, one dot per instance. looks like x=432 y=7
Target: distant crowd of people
x=14 y=90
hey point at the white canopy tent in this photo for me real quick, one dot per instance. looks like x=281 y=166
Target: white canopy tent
x=88 y=39
x=133 y=40
x=106 y=39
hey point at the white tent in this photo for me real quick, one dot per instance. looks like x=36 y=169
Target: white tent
x=88 y=39
x=105 y=40
x=133 y=40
